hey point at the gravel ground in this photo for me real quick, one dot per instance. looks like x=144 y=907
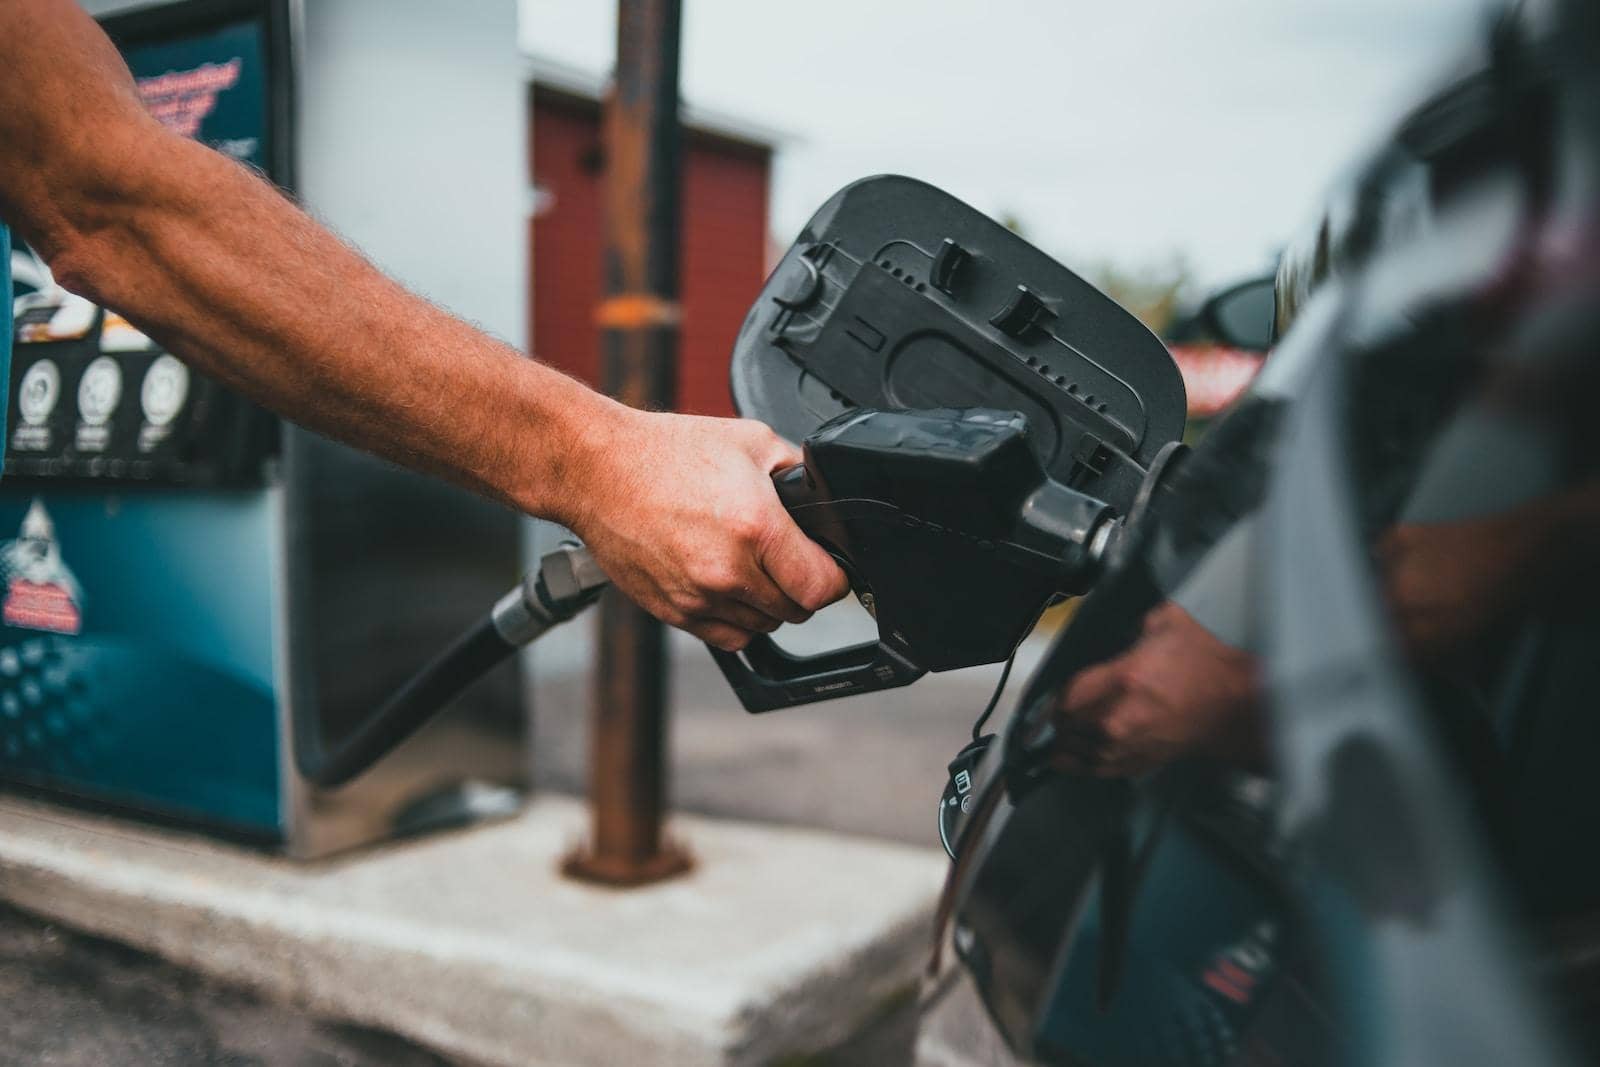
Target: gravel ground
x=76 y=1001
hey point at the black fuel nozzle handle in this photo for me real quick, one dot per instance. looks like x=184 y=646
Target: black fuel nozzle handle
x=766 y=678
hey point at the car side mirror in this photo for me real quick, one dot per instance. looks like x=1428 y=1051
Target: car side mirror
x=1241 y=316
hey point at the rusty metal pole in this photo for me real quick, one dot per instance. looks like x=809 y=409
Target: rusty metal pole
x=639 y=336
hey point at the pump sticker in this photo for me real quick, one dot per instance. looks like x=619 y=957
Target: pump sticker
x=41 y=592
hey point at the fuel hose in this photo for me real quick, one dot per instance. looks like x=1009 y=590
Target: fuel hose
x=565 y=582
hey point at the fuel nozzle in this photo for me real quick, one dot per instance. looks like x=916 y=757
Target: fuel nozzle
x=566 y=581
x=1080 y=531
x=954 y=538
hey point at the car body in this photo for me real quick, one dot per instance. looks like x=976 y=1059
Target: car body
x=1411 y=878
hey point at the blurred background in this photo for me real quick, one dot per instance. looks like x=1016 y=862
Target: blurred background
x=1160 y=147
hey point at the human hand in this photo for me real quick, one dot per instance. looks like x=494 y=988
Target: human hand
x=1177 y=691
x=681 y=513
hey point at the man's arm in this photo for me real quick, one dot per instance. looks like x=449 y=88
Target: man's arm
x=219 y=267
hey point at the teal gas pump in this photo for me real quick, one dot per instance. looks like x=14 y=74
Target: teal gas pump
x=186 y=584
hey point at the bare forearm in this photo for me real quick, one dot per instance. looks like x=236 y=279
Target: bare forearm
x=221 y=269
x=224 y=271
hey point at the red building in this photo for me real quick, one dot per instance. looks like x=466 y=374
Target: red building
x=726 y=174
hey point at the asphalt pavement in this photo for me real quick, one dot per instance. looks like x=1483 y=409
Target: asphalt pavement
x=872 y=765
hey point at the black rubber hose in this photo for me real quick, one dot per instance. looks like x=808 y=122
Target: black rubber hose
x=466 y=660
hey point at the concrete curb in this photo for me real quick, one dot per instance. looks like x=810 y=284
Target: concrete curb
x=783 y=942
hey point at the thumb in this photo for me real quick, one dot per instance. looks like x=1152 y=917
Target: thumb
x=773 y=452
x=802 y=568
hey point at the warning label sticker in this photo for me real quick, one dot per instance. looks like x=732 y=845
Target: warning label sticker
x=181 y=99
x=40 y=591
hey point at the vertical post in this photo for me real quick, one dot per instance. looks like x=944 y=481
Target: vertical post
x=639 y=337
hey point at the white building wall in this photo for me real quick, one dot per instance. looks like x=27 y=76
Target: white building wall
x=413 y=134
x=412 y=145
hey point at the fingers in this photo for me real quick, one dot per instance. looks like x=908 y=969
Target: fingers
x=1164 y=616
x=802 y=569
x=802 y=572
x=742 y=616
x=759 y=592
x=1079 y=755
x=1099 y=761
x=1086 y=737
x=760 y=604
x=719 y=634
x=1082 y=746
x=1091 y=686
x=726 y=624
x=713 y=551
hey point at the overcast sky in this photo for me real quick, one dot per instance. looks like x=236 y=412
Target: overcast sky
x=1131 y=131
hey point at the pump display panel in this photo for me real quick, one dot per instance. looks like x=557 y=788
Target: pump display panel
x=92 y=398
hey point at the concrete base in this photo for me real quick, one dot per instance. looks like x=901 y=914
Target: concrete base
x=782 y=942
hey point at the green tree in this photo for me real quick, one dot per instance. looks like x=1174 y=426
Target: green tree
x=1154 y=292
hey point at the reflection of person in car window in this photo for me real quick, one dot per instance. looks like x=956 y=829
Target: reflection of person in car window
x=1451 y=586
x=1179 y=691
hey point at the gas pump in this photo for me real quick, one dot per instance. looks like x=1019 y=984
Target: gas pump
x=192 y=589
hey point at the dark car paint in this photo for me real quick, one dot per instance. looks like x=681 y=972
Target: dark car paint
x=1445 y=256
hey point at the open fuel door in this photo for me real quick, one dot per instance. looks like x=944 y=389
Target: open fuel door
x=896 y=298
